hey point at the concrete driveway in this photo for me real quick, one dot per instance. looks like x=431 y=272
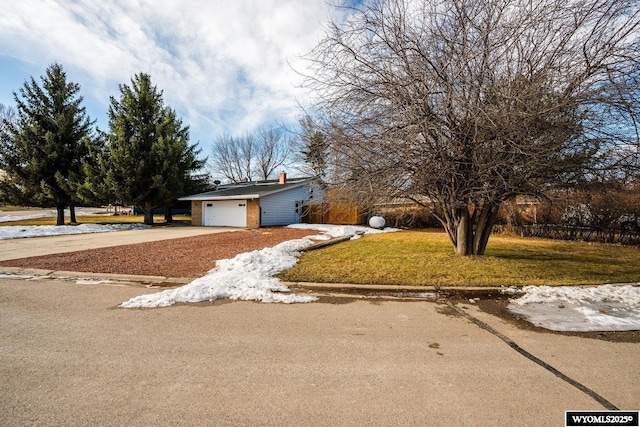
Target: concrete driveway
x=68 y=356
x=36 y=246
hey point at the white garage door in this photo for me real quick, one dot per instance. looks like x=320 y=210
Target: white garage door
x=225 y=213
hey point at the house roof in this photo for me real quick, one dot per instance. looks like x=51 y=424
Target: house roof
x=248 y=190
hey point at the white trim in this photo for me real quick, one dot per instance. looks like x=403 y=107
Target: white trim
x=204 y=197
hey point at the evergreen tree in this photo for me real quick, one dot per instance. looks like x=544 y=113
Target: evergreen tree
x=315 y=153
x=42 y=148
x=148 y=161
x=314 y=148
x=94 y=190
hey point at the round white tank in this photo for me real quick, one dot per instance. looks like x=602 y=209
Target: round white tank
x=377 y=222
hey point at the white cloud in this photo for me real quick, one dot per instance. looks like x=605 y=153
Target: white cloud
x=223 y=65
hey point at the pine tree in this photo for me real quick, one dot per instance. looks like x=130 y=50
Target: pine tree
x=93 y=190
x=315 y=153
x=314 y=148
x=42 y=148
x=148 y=162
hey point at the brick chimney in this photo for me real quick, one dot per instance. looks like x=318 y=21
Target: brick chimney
x=283 y=178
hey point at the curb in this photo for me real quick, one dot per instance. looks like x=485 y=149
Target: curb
x=361 y=287
x=351 y=288
x=127 y=278
x=163 y=281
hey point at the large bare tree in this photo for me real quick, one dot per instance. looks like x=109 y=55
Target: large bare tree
x=273 y=150
x=461 y=104
x=250 y=156
x=232 y=156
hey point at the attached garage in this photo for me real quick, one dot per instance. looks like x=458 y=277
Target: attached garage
x=225 y=213
x=252 y=204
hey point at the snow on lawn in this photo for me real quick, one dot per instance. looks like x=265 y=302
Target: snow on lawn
x=332 y=231
x=43 y=214
x=580 y=309
x=20 y=231
x=248 y=276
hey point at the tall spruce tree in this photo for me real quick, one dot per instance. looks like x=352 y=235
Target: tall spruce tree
x=42 y=147
x=148 y=162
x=94 y=190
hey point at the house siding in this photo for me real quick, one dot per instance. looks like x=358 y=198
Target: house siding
x=280 y=208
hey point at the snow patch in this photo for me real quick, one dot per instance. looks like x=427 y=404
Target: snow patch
x=18 y=231
x=580 y=309
x=46 y=214
x=22 y=276
x=331 y=231
x=9 y=218
x=248 y=276
x=94 y=281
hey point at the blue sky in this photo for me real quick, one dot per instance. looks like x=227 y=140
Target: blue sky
x=224 y=65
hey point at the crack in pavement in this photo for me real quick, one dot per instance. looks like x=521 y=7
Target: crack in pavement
x=601 y=400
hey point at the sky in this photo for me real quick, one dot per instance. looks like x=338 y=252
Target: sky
x=224 y=66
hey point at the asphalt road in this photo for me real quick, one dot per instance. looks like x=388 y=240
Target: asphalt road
x=69 y=356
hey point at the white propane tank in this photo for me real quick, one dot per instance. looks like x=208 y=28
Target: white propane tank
x=377 y=222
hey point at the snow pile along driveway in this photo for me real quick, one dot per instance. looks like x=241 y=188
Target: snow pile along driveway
x=330 y=231
x=581 y=309
x=248 y=276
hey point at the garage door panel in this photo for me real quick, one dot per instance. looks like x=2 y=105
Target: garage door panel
x=225 y=213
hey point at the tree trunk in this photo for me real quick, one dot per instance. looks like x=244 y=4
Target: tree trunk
x=148 y=213
x=60 y=215
x=484 y=227
x=471 y=231
x=168 y=214
x=72 y=214
x=464 y=233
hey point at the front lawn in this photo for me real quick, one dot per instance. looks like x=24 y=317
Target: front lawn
x=425 y=257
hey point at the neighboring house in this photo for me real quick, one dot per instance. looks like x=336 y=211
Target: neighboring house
x=253 y=204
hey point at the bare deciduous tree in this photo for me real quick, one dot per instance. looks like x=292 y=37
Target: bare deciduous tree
x=253 y=155
x=273 y=149
x=461 y=104
x=7 y=115
x=232 y=157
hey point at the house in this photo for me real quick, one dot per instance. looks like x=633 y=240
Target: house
x=253 y=204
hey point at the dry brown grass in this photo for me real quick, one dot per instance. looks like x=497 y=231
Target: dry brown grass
x=426 y=257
